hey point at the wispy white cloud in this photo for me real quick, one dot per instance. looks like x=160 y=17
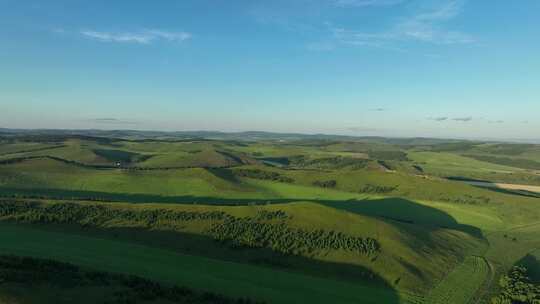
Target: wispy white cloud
x=463 y=119
x=110 y=120
x=365 y=3
x=426 y=26
x=439 y=119
x=141 y=37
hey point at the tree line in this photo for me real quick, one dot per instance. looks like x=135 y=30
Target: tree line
x=338 y=162
x=370 y=188
x=250 y=232
x=325 y=184
x=266 y=229
x=263 y=175
x=97 y=215
x=33 y=272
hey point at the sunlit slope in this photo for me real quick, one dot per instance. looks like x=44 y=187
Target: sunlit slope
x=224 y=183
x=233 y=279
x=130 y=154
x=482 y=208
x=408 y=257
x=51 y=174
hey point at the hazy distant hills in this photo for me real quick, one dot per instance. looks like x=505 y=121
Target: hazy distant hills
x=217 y=135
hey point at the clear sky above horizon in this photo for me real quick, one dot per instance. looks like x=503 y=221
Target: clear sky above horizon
x=444 y=68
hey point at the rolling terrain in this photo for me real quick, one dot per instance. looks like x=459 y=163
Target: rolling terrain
x=277 y=220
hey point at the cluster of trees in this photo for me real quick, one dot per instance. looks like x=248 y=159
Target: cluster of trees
x=262 y=174
x=338 y=162
x=516 y=288
x=248 y=232
x=31 y=272
x=467 y=199
x=258 y=231
x=388 y=155
x=325 y=184
x=272 y=215
x=369 y=188
x=96 y=215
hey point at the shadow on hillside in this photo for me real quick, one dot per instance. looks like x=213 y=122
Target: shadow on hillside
x=492 y=186
x=512 y=192
x=224 y=174
x=532 y=263
x=390 y=209
x=199 y=245
x=405 y=211
x=61 y=194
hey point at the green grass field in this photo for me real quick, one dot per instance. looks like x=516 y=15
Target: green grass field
x=228 y=278
x=438 y=241
x=462 y=284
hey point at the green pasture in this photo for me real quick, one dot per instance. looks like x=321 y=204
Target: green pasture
x=228 y=278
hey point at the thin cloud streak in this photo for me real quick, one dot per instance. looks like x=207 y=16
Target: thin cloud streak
x=463 y=119
x=365 y=3
x=426 y=26
x=439 y=119
x=141 y=37
x=115 y=121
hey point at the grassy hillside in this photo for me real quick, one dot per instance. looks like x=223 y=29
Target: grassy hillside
x=408 y=269
x=305 y=220
x=33 y=280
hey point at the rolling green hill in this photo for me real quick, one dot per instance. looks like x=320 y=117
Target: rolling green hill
x=306 y=220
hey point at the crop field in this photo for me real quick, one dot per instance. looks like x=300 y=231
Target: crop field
x=303 y=220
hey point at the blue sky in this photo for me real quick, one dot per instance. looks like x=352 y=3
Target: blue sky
x=446 y=68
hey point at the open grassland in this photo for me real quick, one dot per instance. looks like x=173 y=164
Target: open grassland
x=324 y=234
x=527 y=188
x=38 y=280
x=452 y=164
x=318 y=221
x=200 y=184
x=461 y=285
x=477 y=166
x=200 y=273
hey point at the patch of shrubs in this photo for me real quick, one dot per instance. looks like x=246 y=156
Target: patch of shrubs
x=96 y=215
x=467 y=199
x=325 y=184
x=338 y=162
x=248 y=232
x=129 y=289
x=388 y=155
x=272 y=215
x=263 y=175
x=267 y=229
x=516 y=287
x=369 y=188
